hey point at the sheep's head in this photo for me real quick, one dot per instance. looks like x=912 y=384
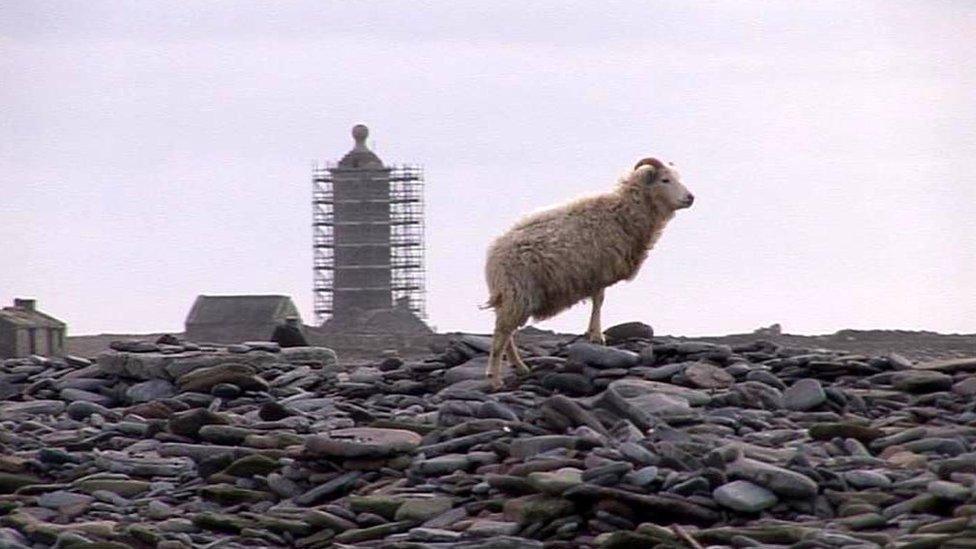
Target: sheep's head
x=662 y=184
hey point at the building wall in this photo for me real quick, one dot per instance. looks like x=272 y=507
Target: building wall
x=41 y=342
x=8 y=340
x=23 y=343
x=15 y=341
x=55 y=339
x=229 y=333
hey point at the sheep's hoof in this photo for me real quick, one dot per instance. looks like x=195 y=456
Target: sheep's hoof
x=495 y=381
x=522 y=370
x=596 y=339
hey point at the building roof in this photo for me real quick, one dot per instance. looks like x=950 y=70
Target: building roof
x=360 y=156
x=240 y=309
x=29 y=319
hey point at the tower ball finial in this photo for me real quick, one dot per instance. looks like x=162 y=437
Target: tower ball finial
x=360 y=133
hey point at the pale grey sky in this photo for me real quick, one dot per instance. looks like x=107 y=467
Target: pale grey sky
x=153 y=151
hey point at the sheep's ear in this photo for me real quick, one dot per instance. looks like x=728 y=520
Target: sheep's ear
x=655 y=165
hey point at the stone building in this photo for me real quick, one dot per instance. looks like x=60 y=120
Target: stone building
x=25 y=331
x=237 y=318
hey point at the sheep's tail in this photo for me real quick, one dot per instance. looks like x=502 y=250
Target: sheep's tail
x=493 y=302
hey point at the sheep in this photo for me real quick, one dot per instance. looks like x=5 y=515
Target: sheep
x=553 y=259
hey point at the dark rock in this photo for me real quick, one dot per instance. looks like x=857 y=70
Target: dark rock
x=628 y=330
x=805 y=394
x=272 y=411
x=571 y=384
x=225 y=390
x=828 y=431
x=188 y=423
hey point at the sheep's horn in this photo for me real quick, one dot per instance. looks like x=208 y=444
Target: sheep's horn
x=653 y=162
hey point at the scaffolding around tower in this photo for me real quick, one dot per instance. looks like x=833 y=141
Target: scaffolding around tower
x=369 y=238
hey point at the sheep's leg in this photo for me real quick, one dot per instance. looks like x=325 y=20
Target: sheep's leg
x=594 y=333
x=513 y=355
x=503 y=333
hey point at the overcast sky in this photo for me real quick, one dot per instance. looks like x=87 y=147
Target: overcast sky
x=153 y=151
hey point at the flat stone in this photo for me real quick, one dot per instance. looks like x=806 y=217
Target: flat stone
x=744 y=496
x=142 y=366
x=867 y=479
x=805 y=394
x=433 y=535
x=81 y=410
x=362 y=442
x=158 y=510
x=133 y=346
x=337 y=485
x=190 y=422
x=377 y=504
x=227 y=494
x=204 y=379
x=151 y=410
x=950 y=365
x=641 y=400
x=830 y=430
x=921 y=381
x=780 y=481
x=226 y=390
x=485 y=528
x=568 y=383
x=950 y=491
x=707 y=376
x=442 y=465
x=147 y=391
x=252 y=465
x=269 y=346
x=373 y=532
x=600 y=356
x=72 y=395
x=522 y=448
x=124 y=487
x=482 y=344
x=273 y=411
x=556 y=482
x=635 y=388
x=224 y=434
x=12 y=410
x=536 y=508
x=321 y=356
x=366 y=374
x=419 y=510
x=473 y=369
x=65 y=502
x=119 y=462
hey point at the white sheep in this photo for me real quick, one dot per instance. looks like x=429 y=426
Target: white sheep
x=553 y=259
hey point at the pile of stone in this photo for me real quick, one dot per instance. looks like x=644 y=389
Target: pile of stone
x=647 y=442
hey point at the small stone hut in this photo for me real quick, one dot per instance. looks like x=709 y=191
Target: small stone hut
x=237 y=318
x=25 y=331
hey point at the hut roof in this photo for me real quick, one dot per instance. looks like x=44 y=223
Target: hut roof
x=239 y=309
x=27 y=318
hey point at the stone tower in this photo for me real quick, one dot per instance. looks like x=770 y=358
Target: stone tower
x=368 y=238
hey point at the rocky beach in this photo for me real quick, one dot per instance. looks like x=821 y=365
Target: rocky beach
x=644 y=442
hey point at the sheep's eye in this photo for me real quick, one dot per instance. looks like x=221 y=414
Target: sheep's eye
x=665 y=181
